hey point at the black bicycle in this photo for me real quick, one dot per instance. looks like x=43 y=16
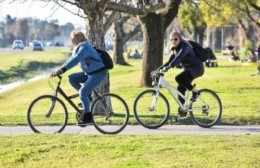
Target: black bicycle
x=49 y=114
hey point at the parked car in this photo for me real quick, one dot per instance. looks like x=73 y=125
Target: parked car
x=37 y=46
x=18 y=44
x=58 y=44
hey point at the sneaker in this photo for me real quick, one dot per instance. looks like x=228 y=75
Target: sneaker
x=181 y=114
x=87 y=118
x=195 y=96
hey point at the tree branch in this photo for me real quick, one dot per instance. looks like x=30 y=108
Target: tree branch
x=134 y=11
x=132 y=33
x=253 y=5
x=250 y=17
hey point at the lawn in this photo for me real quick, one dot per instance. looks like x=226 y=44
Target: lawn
x=119 y=151
x=237 y=86
x=25 y=64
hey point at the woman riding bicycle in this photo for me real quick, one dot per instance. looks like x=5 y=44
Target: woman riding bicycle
x=91 y=76
x=183 y=55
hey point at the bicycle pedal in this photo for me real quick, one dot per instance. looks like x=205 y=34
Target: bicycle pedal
x=179 y=118
x=174 y=119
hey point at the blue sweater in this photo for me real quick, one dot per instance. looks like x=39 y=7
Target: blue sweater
x=86 y=56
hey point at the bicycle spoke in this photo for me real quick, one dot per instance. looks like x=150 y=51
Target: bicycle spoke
x=207 y=110
x=151 y=111
x=110 y=114
x=46 y=115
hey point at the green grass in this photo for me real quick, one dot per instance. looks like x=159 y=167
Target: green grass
x=129 y=151
x=26 y=64
x=237 y=86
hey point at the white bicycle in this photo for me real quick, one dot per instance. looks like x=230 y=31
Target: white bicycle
x=152 y=109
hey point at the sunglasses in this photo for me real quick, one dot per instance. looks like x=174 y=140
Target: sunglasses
x=174 y=39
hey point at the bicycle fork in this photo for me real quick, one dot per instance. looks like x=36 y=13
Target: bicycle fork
x=53 y=102
x=154 y=101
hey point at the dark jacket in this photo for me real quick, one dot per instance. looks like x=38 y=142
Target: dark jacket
x=185 y=57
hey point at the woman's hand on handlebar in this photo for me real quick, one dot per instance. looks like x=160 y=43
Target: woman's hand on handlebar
x=165 y=69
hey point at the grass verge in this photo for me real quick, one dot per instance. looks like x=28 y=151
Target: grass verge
x=129 y=151
x=237 y=86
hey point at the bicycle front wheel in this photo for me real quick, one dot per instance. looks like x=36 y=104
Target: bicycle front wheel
x=110 y=114
x=206 y=111
x=47 y=114
x=151 y=110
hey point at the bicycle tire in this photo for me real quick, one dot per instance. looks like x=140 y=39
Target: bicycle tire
x=147 y=117
x=110 y=114
x=37 y=117
x=206 y=111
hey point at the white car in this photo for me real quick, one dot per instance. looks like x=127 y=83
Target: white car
x=18 y=44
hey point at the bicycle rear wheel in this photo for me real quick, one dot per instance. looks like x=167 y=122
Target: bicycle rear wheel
x=207 y=110
x=47 y=114
x=151 y=110
x=110 y=114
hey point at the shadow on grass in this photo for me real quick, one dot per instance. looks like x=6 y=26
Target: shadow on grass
x=22 y=71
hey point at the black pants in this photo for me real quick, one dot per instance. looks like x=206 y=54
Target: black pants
x=184 y=80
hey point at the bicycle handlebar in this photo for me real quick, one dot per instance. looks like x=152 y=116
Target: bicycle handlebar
x=52 y=81
x=158 y=73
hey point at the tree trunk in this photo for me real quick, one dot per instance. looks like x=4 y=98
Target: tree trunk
x=96 y=37
x=153 y=34
x=153 y=27
x=218 y=45
x=199 y=34
x=119 y=45
x=201 y=31
x=96 y=34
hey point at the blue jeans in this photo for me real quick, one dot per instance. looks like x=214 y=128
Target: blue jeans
x=85 y=84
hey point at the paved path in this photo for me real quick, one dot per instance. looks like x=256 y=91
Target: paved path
x=139 y=130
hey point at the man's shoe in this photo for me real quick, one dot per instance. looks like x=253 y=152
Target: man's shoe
x=195 y=96
x=87 y=118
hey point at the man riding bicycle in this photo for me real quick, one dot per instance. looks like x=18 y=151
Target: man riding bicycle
x=92 y=74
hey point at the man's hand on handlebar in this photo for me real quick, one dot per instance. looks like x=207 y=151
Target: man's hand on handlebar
x=56 y=73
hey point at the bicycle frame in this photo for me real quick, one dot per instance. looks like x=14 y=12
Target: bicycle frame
x=173 y=91
x=68 y=98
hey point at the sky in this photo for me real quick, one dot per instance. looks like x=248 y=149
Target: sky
x=38 y=10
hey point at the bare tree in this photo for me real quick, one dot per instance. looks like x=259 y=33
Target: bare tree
x=122 y=36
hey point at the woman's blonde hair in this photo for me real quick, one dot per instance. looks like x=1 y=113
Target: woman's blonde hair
x=79 y=35
x=174 y=33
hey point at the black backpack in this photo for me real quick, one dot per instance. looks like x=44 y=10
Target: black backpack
x=199 y=51
x=106 y=59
